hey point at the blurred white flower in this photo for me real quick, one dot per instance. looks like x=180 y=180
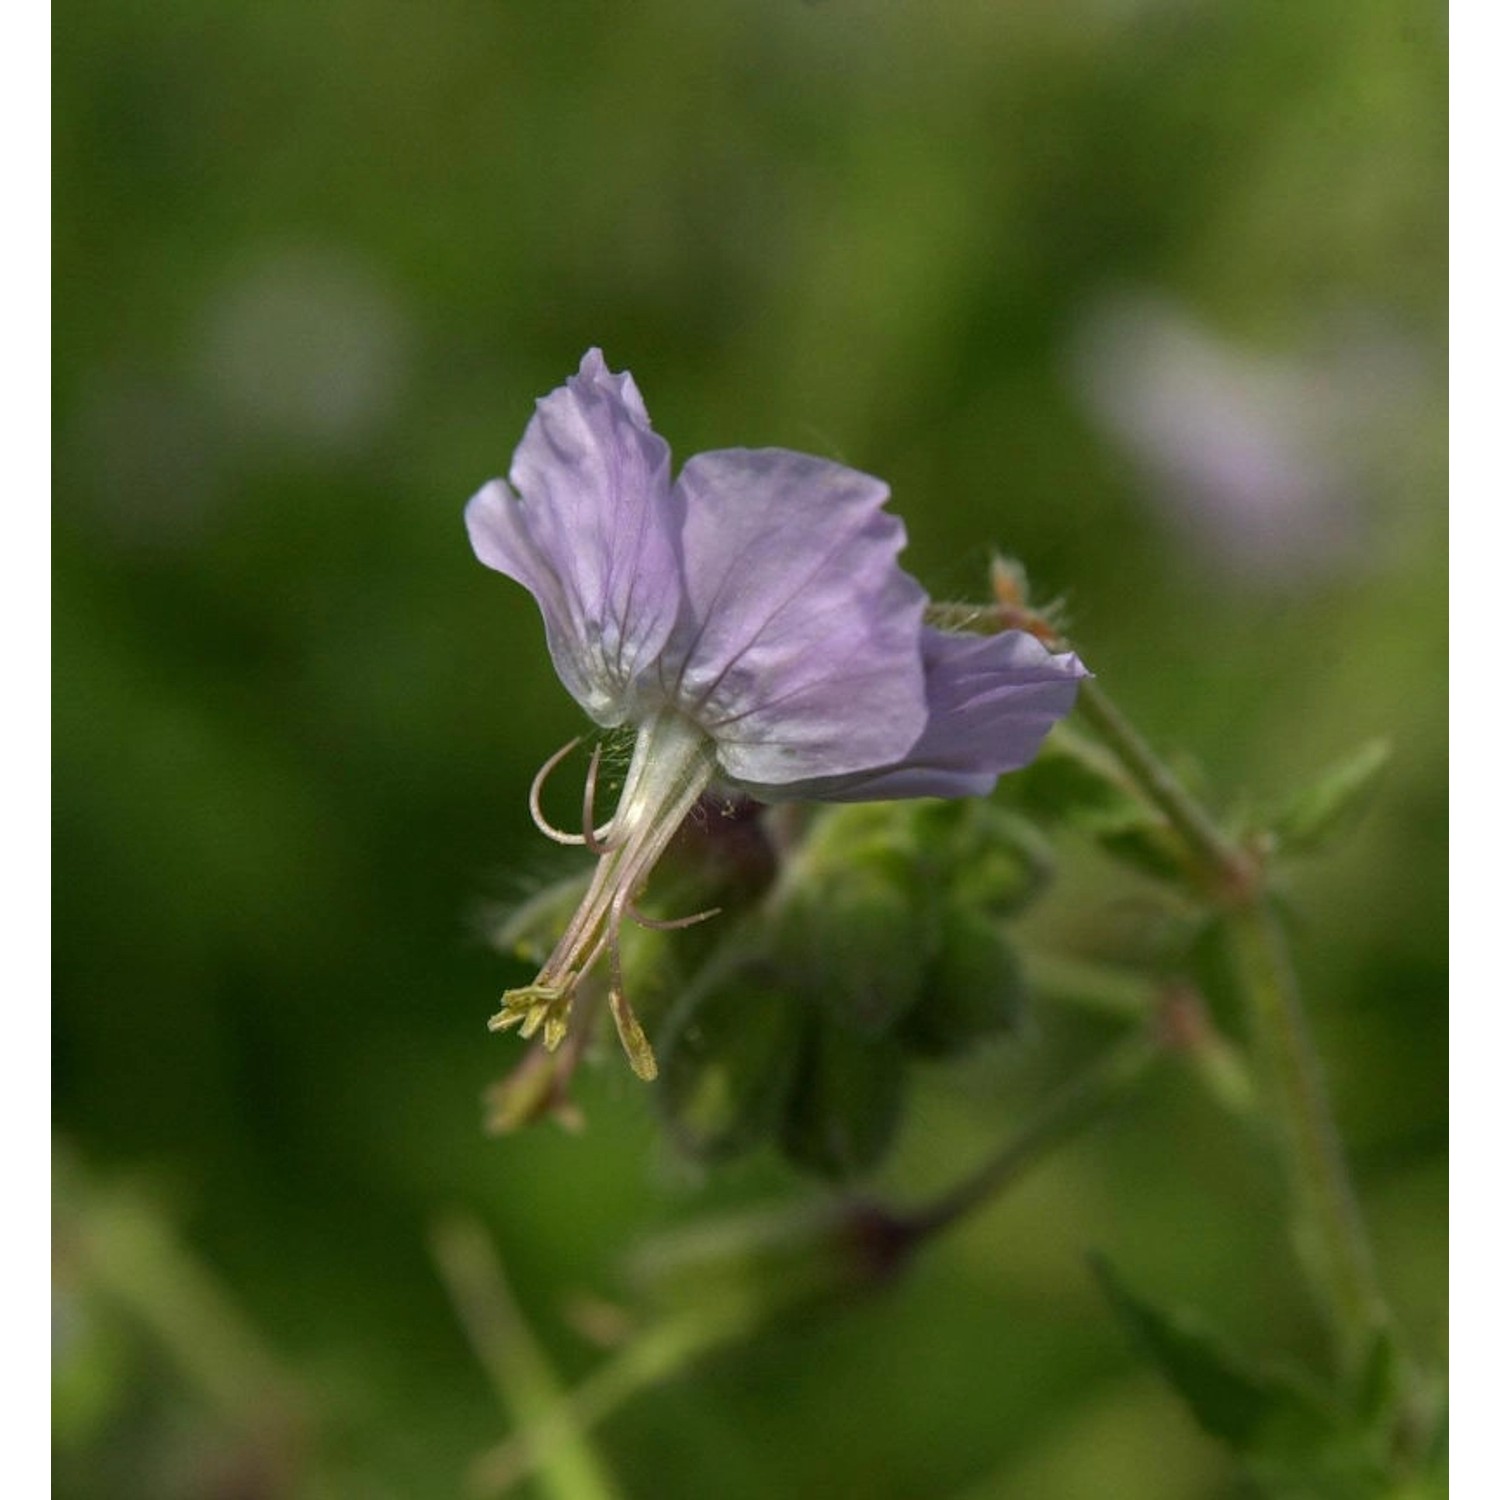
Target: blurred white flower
x=305 y=345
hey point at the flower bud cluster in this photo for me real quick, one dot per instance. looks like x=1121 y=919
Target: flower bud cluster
x=881 y=941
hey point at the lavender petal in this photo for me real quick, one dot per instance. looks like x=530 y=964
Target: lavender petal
x=799 y=651
x=594 y=535
x=992 y=700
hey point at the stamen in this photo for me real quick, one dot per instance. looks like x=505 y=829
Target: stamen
x=612 y=941
x=593 y=837
x=670 y=767
x=538 y=1088
x=632 y=1037
x=554 y=1029
x=669 y=924
x=535 y=800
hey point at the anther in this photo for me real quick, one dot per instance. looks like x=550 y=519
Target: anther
x=632 y=1037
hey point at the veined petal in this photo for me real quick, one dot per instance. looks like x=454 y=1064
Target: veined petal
x=594 y=535
x=799 y=651
x=992 y=699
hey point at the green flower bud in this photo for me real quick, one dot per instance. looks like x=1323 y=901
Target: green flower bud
x=845 y=1102
x=975 y=989
x=728 y=1055
x=850 y=916
x=857 y=941
x=981 y=856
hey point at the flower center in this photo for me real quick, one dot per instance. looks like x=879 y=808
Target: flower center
x=670 y=768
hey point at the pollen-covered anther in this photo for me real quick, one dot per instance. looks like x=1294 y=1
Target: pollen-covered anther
x=632 y=1037
x=533 y=1008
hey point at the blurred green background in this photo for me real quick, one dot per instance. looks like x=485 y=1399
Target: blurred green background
x=1150 y=293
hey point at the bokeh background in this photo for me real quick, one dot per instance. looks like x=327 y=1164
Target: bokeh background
x=1150 y=293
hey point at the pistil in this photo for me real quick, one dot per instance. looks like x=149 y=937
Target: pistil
x=670 y=768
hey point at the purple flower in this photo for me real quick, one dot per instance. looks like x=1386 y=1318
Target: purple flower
x=751 y=622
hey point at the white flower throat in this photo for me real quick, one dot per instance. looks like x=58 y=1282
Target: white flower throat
x=670 y=768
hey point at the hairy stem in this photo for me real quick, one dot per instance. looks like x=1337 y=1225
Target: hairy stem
x=1328 y=1228
x=1229 y=867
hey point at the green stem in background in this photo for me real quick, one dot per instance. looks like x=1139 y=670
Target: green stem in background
x=567 y=1468
x=1090 y=1093
x=1104 y=990
x=1177 y=1010
x=653 y=1356
x=114 y=1239
x=549 y=1422
x=1331 y=1233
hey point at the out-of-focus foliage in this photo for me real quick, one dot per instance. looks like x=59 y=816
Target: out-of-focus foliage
x=1149 y=293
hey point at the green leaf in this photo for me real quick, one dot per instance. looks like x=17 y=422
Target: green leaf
x=93 y=1366
x=1379 y=1381
x=1075 y=784
x=1254 y=1412
x=1148 y=843
x=1330 y=806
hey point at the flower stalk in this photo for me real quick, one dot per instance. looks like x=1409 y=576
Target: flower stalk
x=1093 y=1091
x=1330 y=1233
x=1232 y=873
x=1328 y=1229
